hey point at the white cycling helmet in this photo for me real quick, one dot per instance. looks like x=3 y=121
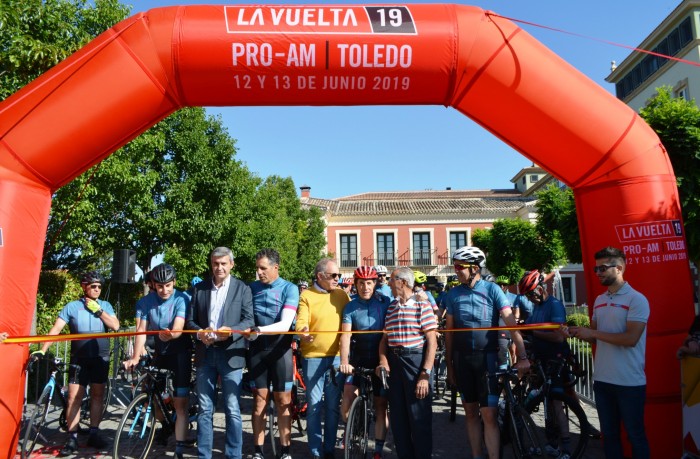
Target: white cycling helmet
x=381 y=269
x=469 y=254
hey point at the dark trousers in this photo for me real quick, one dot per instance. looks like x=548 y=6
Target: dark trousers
x=411 y=418
x=621 y=403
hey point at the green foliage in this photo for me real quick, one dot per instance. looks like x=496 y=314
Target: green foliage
x=56 y=289
x=578 y=320
x=35 y=35
x=514 y=246
x=556 y=218
x=677 y=122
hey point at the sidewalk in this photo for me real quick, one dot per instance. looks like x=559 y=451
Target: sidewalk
x=449 y=438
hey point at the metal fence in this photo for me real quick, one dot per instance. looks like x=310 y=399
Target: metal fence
x=584 y=354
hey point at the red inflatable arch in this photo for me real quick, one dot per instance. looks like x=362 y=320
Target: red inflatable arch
x=154 y=63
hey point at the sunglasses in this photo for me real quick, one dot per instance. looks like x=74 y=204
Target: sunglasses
x=381 y=275
x=602 y=268
x=333 y=275
x=462 y=267
x=95 y=286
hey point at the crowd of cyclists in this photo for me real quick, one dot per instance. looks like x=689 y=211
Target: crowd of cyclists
x=384 y=320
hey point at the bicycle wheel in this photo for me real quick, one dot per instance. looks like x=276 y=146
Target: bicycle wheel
x=35 y=423
x=578 y=423
x=525 y=437
x=440 y=372
x=136 y=429
x=357 y=430
x=298 y=409
x=273 y=429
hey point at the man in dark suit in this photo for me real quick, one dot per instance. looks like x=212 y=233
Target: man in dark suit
x=219 y=306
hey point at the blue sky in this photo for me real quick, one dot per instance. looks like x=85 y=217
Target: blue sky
x=423 y=147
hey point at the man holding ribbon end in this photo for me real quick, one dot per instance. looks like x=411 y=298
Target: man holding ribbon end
x=88 y=314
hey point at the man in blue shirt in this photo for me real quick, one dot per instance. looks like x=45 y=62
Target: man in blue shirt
x=89 y=314
x=382 y=285
x=366 y=312
x=165 y=310
x=477 y=304
x=275 y=304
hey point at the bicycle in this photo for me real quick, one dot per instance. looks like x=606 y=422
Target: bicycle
x=440 y=366
x=361 y=414
x=35 y=421
x=541 y=389
x=517 y=426
x=298 y=405
x=136 y=429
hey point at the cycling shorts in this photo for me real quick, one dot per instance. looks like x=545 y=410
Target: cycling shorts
x=271 y=367
x=471 y=369
x=93 y=370
x=180 y=364
x=367 y=363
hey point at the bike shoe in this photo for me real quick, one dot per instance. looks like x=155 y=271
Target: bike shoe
x=286 y=456
x=70 y=447
x=258 y=456
x=593 y=432
x=552 y=451
x=96 y=441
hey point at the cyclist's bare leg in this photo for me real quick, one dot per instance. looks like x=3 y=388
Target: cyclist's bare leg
x=492 y=434
x=97 y=393
x=182 y=420
x=283 y=400
x=382 y=424
x=474 y=430
x=350 y=393
x=261 y=397
x=74 y=398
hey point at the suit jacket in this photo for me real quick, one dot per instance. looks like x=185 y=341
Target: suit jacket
x=237 y=313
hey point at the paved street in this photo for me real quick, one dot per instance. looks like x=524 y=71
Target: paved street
x=449 y=438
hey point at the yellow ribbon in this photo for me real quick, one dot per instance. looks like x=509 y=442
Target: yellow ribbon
x=82 y=336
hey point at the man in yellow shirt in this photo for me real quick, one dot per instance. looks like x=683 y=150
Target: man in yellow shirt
x=321 y=309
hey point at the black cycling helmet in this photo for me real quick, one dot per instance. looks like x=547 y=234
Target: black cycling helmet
x=92 y=276
x=163 y=273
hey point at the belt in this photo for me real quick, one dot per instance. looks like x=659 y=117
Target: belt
x=400 y=350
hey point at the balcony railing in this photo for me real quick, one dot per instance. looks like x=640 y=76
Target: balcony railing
x=420 y=257
x=348 y=260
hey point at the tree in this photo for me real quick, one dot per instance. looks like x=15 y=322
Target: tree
x=677 y=123
x=36 y=35
x=515 y=245
x=176 y=190
x=557 y=220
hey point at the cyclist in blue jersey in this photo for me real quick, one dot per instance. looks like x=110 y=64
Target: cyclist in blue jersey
x=275 y=304
x=382 y=285
x=366 y=312
x=89 y=314
x=166 y=311
x=472 y=355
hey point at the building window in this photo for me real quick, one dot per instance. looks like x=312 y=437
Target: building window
x=524 y=180
x=534 y=178
x=670 y=45
x=348 y=250
x=457 y=239
x=681 y=93
x=421 y=249
x=568 y=286
x=386 y=249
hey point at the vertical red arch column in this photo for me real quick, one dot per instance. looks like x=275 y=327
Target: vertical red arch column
x=150 y=65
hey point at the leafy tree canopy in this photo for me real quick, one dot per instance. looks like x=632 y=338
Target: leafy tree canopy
x=515 y=245
x=677 y=123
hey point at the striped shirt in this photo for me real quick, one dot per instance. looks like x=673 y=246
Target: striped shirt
x=405 y=324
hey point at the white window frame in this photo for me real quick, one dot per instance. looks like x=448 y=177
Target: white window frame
x=449 y=230
x=356 y=233
x=395 y=232
x=572 y=278
x=432 y=241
